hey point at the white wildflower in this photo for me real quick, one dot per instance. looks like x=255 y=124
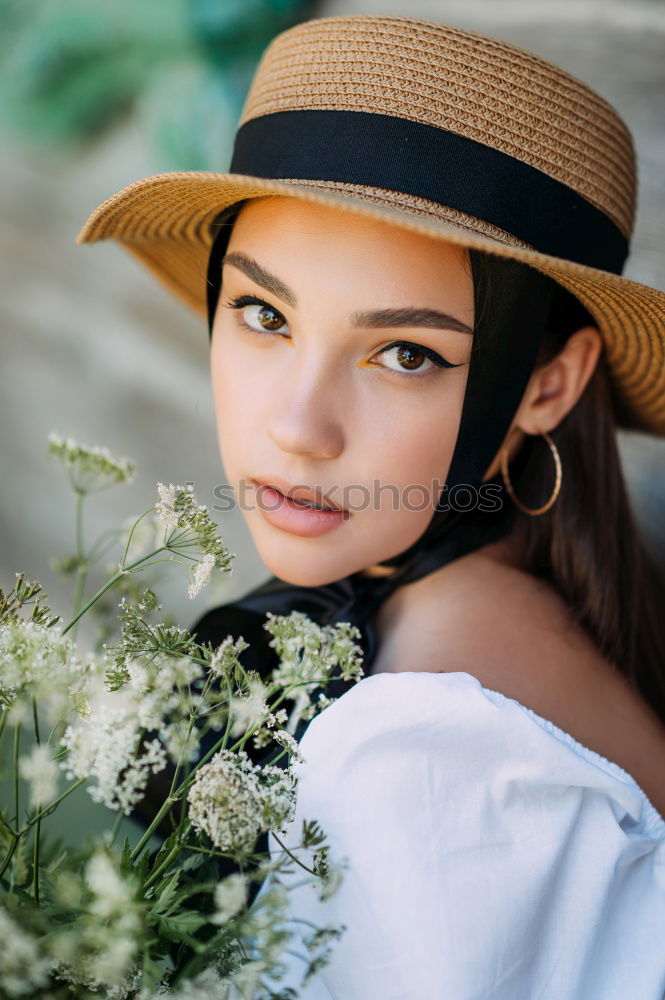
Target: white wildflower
x=233 y=801
x=24 y=967
x=167 y=515
x=225 y=657
x=177 y=508
x=181 y=741
x=270 y=934
x=249 y=710
x=225 y=801
x=248 y=979
x=308 y=655
x=200 y=575
x=205 y=985
x=91 y=467
x=285 y=739
x=41 y=772
x=160 y=687
x=102 y=955
x=231 y=895
x=264 y=735
x=279 y=796
x=112 y=895
x=104 y=747
x=162 y=681
x=39 y=662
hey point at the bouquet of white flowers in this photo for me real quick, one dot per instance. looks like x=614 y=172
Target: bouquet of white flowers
x=139 y=921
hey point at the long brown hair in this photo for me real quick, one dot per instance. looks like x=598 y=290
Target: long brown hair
x=588 y=545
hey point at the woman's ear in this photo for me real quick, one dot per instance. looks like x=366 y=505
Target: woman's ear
x=553 y=390
x=555 y=387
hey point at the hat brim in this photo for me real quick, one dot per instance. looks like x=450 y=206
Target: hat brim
x=165 y=221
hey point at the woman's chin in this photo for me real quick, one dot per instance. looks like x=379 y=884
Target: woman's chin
x=310 y=573
x=307 y=577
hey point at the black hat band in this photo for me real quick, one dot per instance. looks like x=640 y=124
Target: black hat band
x=384 y=151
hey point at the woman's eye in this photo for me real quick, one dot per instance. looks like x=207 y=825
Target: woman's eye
x=409 y=358
x=258 y=315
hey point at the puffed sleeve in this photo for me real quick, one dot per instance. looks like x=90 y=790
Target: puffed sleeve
x=490 y=854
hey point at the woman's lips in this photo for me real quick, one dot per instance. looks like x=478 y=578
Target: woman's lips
x=289 y=515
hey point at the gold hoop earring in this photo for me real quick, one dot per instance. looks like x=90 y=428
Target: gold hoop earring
x=557 y=484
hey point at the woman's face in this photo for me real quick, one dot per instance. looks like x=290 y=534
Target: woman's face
x=338 y=374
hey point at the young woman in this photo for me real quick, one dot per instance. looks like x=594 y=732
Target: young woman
x=419 y=326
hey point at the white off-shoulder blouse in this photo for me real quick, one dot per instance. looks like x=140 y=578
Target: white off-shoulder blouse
x=491 y=855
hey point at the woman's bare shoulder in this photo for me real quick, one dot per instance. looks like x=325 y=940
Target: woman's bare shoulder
x=516 y=634
x=485 y=610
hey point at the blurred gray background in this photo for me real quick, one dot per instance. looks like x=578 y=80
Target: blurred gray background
x=96 y=96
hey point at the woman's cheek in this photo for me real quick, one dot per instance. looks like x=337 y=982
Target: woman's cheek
x=233 y=410
x=422 y=452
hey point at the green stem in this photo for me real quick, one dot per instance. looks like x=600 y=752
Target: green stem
x=80 y=495
x=8 y=856
x=116 y=827
x=52 y=805
x=38 y=825
x=17 y=748
x=164 y=865
x=99 y=547
x=81 y=568
x=8 y=827
x=3 y=720
x=194 y=717
x=35 y=864
x=291 y=855
x=134 y=526
x=109 y=583
x=166 y=805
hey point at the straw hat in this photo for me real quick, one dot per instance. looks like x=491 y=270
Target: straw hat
x=437 y=130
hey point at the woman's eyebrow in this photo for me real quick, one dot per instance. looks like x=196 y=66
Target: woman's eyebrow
x=378 y=318
x=253 y=270
x=416 y=316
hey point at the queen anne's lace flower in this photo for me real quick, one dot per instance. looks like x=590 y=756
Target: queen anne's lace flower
x=205 y=985
x=177 y=508
x=308 y=654
x=230 y=896
x=251 y=709
x=23 y=965
x=104 y=747
x=161 y=693
x=285 y=739
x=225 y=657
x=100 y=955
x=112 y=895
x=167 y=514
x=233 y=801
x=201 y=574
x=162 y=682
x=41 y=773
x=91 y=467
x=39 y=662
x=264 y=735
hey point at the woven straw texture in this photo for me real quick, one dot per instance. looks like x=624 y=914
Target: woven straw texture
x=458 y=80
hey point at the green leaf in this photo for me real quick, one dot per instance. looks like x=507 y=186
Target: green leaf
x=167 y=897
x=181 y=926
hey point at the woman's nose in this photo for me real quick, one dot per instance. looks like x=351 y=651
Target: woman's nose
x=305 y=418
